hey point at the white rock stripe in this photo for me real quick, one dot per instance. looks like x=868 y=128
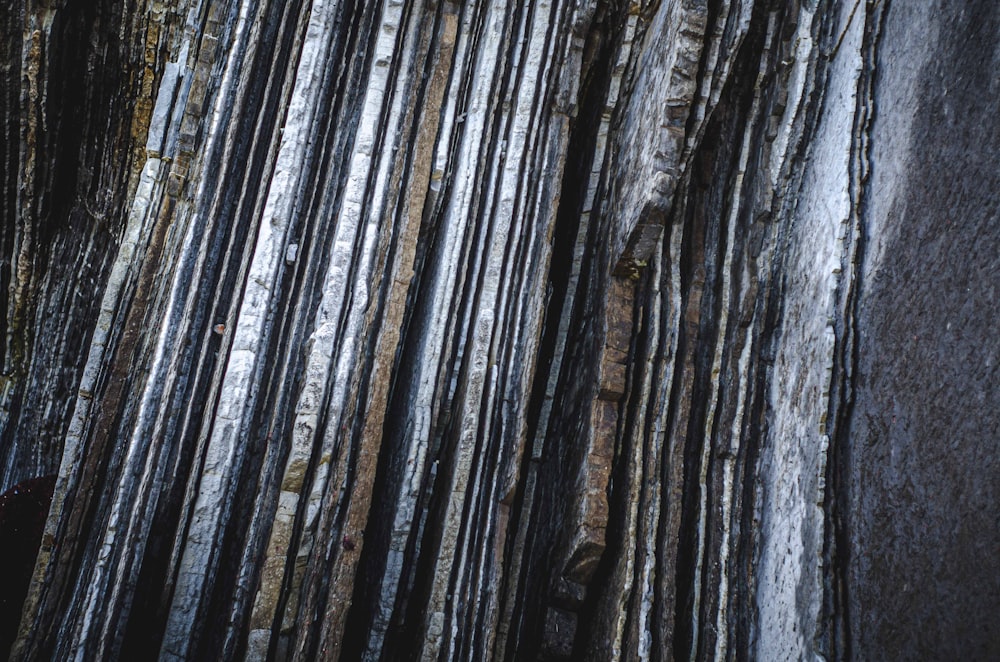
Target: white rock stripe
x=530 y=128
x=334 y=347
x=479 y=371
x=249 y=337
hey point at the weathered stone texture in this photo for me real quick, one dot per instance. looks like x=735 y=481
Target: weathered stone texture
x=422 y=329
x=923 y=475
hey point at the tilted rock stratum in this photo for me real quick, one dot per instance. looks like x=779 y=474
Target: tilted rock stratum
x=558 y=330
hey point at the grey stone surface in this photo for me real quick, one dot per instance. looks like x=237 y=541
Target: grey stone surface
x=555 y=329
x=922 y=460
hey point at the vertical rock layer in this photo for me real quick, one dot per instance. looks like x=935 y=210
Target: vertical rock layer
x=924 y=576
x=551 y=330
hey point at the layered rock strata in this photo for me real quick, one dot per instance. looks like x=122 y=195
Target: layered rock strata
x=419 y=329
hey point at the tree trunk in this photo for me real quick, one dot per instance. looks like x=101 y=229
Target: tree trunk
x=423 y=329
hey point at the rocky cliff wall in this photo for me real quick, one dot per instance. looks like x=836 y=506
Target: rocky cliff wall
x=550 y=330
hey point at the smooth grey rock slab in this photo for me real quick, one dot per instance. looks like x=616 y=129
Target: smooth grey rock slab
x=922 y=459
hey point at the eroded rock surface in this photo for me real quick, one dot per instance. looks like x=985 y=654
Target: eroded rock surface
x=488 y=330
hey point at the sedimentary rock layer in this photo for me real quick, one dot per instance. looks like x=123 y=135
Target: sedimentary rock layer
x=553 y=330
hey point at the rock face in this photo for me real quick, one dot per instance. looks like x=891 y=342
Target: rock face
x=554 y=330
